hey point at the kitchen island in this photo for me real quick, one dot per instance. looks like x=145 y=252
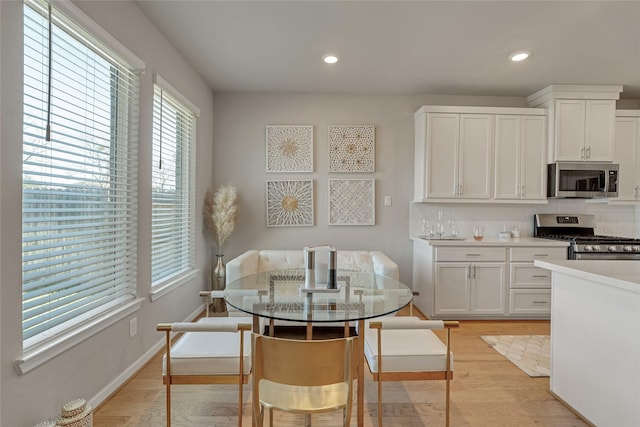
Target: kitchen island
x=595 y=339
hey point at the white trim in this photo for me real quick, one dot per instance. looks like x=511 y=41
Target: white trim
x=480 y=110
x=163 y=288
x=73 y=12
x=121 y=379
x=41 y=354
x=165 y=85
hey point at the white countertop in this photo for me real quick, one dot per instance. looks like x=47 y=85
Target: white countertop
x=495 y=242
x=621 y=274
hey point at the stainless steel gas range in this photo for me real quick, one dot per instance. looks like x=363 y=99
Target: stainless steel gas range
x=579 y=231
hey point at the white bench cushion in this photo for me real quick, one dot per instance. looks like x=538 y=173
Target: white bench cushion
x=406 y=350
x=210 y=353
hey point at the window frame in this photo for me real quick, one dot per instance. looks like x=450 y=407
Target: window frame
x=63 y=337
x=168 y=283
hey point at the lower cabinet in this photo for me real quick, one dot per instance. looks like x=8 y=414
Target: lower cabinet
x=530 y=286
x=488 y=282
x=469 y=288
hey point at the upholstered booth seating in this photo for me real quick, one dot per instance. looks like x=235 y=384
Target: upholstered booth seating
x=257 y=261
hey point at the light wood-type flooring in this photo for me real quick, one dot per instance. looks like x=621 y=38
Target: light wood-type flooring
x=487 y=390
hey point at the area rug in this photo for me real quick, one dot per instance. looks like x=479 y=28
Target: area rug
x=530 y=353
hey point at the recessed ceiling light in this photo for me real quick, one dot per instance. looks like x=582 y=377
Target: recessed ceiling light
x=330 y=59
x=519 y=56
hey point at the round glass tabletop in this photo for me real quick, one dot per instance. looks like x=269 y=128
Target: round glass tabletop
x=281 y=294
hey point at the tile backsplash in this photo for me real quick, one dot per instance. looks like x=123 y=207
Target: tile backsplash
x=614 y=220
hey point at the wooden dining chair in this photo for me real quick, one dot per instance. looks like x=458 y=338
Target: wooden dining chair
x=302 y=376
x=214 y=350
x=411 y=351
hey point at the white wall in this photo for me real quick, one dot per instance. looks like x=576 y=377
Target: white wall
x=92 y=369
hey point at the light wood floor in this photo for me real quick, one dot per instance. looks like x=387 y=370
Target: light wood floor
x=487 y=390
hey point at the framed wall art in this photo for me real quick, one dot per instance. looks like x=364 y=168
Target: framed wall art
x=352 y=202
x=289 y=148
x=352 y=148
x=289 y=203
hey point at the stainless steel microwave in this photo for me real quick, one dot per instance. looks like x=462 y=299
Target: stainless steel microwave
x=582 y=180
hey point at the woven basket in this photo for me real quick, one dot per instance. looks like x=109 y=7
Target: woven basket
x=76 y=414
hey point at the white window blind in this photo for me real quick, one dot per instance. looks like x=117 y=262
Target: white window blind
x=79 y=211
x=173 y=187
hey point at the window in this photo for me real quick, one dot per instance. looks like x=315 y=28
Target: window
x=79 y=212
x=173 y=186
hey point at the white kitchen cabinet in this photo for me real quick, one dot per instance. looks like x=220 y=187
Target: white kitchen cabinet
x=469 y=288
x=530 y=286
x=520 y=158
x=626 y=153
x=584 y=130
x=469 y=281
x=489 y=280
x=455 y=160
x=581 y=121
x=457 y=155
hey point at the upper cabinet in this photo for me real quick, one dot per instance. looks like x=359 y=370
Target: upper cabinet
x=581 y=121
x=626 y=152
x=453 y=153
x=484 y=154
x=520 y=161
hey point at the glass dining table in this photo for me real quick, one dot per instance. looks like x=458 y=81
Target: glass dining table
x=281 y=305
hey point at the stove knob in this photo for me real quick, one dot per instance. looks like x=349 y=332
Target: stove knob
x=596 y=248
x=628 y=249
x=636 y=248
x=612 y=248
x=588 y=248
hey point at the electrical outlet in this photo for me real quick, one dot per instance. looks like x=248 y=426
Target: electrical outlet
x=133 y=327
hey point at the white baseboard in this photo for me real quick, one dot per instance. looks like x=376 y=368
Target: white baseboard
x=121 y=379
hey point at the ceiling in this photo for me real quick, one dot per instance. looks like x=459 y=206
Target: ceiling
x=404 y=47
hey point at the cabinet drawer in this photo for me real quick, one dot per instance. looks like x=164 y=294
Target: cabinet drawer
x=530 y=301
x=470 y=254
x=526 y=275
x=529 y=254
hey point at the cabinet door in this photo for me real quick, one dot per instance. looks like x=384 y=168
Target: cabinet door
x=599 y=129
x=443 y=135
x=625 y=153
x=488 y=288
x=507 y=166
x=570 y=130
x=452 y=292
x=476 y=145
x=533 y=158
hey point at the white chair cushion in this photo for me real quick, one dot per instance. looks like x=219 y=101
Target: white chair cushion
x=210 y=353
x=406 y=350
